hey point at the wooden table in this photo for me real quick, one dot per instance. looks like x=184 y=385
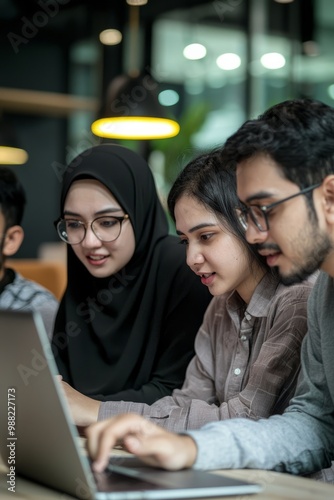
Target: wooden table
x=276 y=487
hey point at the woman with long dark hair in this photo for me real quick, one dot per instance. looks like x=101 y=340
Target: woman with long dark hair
x=248 y=347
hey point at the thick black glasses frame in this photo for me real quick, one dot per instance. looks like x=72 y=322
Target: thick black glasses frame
x=247 y=210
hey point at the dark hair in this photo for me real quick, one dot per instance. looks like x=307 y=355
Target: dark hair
x=210 y=181
x=12 y=197
x=297 y=134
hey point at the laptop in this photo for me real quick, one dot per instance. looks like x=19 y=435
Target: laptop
x=42 y=443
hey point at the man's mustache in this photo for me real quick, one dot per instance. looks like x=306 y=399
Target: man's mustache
x=267 y=246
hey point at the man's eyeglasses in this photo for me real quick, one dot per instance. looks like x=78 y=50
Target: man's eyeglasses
x=259 y=213
x=105 y=228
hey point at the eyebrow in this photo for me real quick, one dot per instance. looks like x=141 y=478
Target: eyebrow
x=99 y=212
x=196 y=228
x=259 y=196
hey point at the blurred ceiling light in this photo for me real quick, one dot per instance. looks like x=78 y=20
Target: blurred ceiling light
x=168 y=97
x=284 y=1
x=132 y=109
x=311 y=48
x=110 y=37
x=136 y=2
x=10 y=153
x=228 y=61
x=273 y=60
x=135 y=127
x=12 y=156
x=194 y=51
x=330 y=91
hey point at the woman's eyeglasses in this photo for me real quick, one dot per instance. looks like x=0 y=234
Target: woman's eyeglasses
x=105 y=228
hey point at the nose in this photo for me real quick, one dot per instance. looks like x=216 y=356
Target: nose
x=194 y=256
x=254 y=235
x=91 y=240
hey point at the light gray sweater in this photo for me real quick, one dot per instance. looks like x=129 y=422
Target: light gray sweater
x=301 y=440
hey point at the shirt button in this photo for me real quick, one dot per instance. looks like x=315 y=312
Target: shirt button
x=243 y=338
x=237 y=371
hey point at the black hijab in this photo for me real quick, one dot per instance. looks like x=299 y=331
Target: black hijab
x=107 y=334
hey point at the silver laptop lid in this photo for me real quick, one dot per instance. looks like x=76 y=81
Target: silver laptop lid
x=42 y=424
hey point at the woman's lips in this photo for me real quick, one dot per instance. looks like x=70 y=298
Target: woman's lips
x=97 y=260
x=207 y=279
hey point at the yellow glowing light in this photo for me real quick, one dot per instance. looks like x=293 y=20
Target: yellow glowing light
x=110 y=37
x=12 y=156
x=136 y=2
x=126 y=127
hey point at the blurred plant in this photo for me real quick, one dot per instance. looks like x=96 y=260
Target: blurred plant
x=179 y=150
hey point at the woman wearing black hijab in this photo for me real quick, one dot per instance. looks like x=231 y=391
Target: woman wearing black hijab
x=127 y=321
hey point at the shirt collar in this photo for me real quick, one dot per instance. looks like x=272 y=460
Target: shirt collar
x=261 y=298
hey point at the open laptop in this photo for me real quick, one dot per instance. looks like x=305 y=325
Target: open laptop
x=38 y=437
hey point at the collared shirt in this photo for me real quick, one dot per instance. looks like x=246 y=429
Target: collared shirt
x=301 y=441
x=246 y=364
x=21 y=294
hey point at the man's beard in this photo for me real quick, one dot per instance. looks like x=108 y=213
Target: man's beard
x=314 y=253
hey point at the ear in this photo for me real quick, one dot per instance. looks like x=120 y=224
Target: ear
x=13 y=240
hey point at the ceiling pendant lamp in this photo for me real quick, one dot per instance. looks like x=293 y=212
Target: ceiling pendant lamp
x=134 y=112
x=136 y=2
x=12 y=156
x=10 y=153
x=132 y=108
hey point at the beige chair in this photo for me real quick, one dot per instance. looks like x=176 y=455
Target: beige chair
x=50 y=274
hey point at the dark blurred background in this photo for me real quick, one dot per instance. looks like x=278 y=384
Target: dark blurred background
x=55 y=73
